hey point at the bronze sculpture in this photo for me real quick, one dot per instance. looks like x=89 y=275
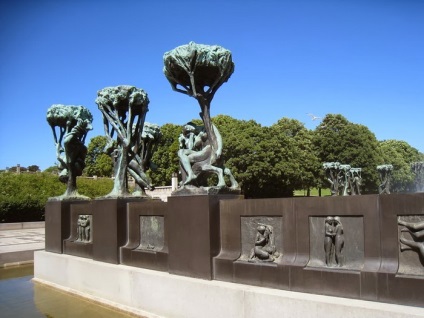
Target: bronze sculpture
x=73 y=124
x=124 y=110
x=198 y=71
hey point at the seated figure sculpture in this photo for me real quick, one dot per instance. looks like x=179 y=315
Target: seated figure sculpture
x=197 y=156
x=264 y=249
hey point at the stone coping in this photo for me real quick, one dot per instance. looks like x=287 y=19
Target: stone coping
x=151 y=293
x=22 y=225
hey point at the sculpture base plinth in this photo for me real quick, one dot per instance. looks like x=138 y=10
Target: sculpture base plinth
x=58 y=222
x=194 y=233
x=73 y=245
x=192 y=190
x=152 y=293
x=109 y=227
x=147 y=244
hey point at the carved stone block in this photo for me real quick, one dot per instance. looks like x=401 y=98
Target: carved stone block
x=152 y=236
x=336 y=242
x=80 y=241
x=261 y=228
x=411 y=244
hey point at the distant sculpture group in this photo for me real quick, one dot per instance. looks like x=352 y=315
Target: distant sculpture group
x=343 y=178
x=196 y=70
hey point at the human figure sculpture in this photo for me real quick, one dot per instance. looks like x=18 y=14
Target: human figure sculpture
x=339 y=241
x=196 y=156
x=355 y=181
x=333 y=241
x=264 y=249
x=417 y=232
x=198 y=71
x=149 y=138
x=124 y=110
x=72 y=123
x=329 y=239
x=83 y=228
x=385 y=172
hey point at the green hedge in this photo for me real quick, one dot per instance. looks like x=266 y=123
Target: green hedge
x=24 y=196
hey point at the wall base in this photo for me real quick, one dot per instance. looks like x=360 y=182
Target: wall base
x=159 y=294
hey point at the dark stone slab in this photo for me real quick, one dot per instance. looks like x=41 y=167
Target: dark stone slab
x=58 y=226
x=73 y=245
x=400 y=279
x=239 y=220
x=147 y=241
x=342 y=283
x=194 y=234
x=110 y=227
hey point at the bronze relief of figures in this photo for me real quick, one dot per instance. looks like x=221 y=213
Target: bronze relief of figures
x=84 y=228
x=333 y=241
x=416 y=230
x=264 y=249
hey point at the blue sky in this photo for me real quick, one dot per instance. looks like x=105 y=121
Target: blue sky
x=363 y=59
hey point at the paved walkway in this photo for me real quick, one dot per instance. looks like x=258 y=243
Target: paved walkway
x=18 y=246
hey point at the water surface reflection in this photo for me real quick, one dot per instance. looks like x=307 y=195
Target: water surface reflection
x=20 y=297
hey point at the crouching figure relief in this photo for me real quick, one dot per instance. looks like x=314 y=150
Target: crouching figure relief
x=264 y=249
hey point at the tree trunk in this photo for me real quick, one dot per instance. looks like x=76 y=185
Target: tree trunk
x=120 y=185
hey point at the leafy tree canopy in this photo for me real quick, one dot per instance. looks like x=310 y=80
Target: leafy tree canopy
x=337 y=139
x=400 y=154
x=98 y=163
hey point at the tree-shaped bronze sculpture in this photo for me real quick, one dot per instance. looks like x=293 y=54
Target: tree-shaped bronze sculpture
x=418 y=170
x=149 y=137
x=73 y=124
x=198 y=71
x=124 y=110
x=385 y=172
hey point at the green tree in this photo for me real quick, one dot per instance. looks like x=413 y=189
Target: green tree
x=337 y=139
x=165 y=158
x=400 y=154
x=33 y=168
x=242 y=152
x=98 y=163
x=297 y=163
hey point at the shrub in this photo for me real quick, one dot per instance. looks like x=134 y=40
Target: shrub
x=23 y=196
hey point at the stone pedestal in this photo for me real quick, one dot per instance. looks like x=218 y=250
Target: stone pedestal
x=58 y=226
x=109 y=228
x=194 y=233
x=74 y=245
x=147 y=241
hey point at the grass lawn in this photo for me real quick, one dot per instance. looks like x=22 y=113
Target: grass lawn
x=314 y=192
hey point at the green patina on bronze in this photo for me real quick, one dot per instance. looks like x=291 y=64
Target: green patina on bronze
x=70 y=125
x=198 y=71
x=124 y=110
